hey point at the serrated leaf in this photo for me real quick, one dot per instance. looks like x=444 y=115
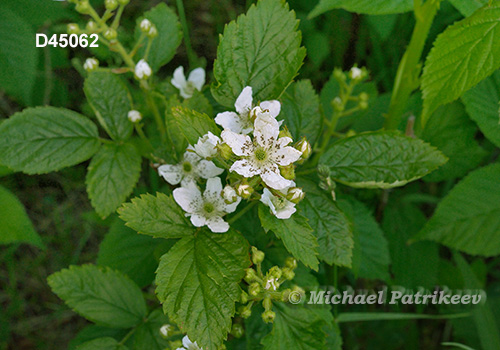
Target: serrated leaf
x=331 y=227
x=157 y=216
x=169 y=36
x=111 y=176
x=369 y=7
x=468 y=218
x=380 y=160
x=296 y=234
x=192 y=124
x=103 y=296
x=300 y=109
x=371 y=254
x=92 y=332
x=124 y=250
x=260 y=49
x=106 y=343
x=16 y=225
x=147 y=336
x=298 y=328
x=44 y=139
x=463 y=55
x=18 y=54
x=198 y=284
x=453 y=133
x=481 y=103
x=109 y=97
x=468 y=7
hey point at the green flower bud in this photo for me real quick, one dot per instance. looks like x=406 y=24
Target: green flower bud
x=337 y=104
x=111 y=5
x=83 y=7
x=91 y=27
x=291 y=263
x=250 y=275
x=285 y=295
x=166 y=331
x=363 y=96
x=288 y=172
x=257 y=256
x=237 y=330
x=295 y=195
x=73 y=28
x=123 y=2
x=304 y=147
x=288 y=273
x=268 y=316
x=267 y=303
x=110 y=34
x=175 y=344
x=152 y=33
x=224 y=150
x=363 y=105
x=298 y=290
x=244 y=190
x=91 y=64
x=285 y=133
x=254 y=289
x=243 y=297
x=245 y=312
x=275 y=272
x=339 y=75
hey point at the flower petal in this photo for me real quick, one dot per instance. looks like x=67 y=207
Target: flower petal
x=198 y=220
x=240 y=144
x=205 y=147
x=186 y=342
x=229 y=208
x=266 y=198
x=214 y=187
x=275 y=180
x=273 y=107
x=286 y=211
x=217 y=224
x=229 y=120
x=243 y=103
x=244 y=168
x=197 y=77
x=179 y=79
x=266 y=128
x=188 y=198
x=207 y=169
x=286 y=155
x=171 y=173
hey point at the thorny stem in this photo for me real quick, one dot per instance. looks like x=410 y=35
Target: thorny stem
x=408 y=75
x=192 y=58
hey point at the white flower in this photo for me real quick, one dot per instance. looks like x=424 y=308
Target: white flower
x=134 y=116
x=190 y=169
x=142 y=69
x=91 y=64
x=195 y=80
x=145 y=25
x=281 y=207
x=264 y=154
x=295 y=194
x=165 y=330
x=229 y=194
x=205 y=147
x=273 y=282
x=207 y=209
x=240 y=122
x=355 y=73
x=189 y=345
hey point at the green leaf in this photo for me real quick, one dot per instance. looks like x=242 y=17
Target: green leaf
x=369 y=7
x=18 y=54
x=192 y=124
x=126 y=251
x=260 y=49
x=16 y=225
x=102 y=344
x=468 y=7
x=148 y=337
x=44 y=139
x=92 y=332
x=453 y=133
x=371 y=257
x=332 y=229
x=167 y=41
x=198 y=284
x=481 y=103
x=380 y=160
x=109 y=97
x=157 y=216
x=300 y=109
x=296 y=234
x=463 y=55
x=103 y=296
x=4 y=171
x=111 y=176
x=468 y=218
x=298 y=328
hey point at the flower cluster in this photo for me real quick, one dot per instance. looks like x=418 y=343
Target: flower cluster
x=260 y=157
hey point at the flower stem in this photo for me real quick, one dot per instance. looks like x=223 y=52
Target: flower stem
x=408 y=75
x=192 y=58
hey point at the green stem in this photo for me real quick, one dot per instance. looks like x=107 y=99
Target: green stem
x=156 y=114
x=242 y=212
x=116 y=20
x=407 y=77
x=192 y=58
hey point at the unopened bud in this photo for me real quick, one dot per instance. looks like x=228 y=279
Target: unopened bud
x=257 y=256
x=243 y=297
x=111 y=5
x=73 y=28
x=267 y=303
x=245 y=312
x=363 y=105
x=285 y=133
x=254 y=289
x=237 y=330
x=110 y=34
x=91 y=26
x=224 y=150
x=288 y=172
x=83 y=7
x=288 y=273
x=275 y=272
x=244 y=190
x=268 y=316
x=291 y=263
x=91 y=64
x=304 y=147
x=355 y=73
x=295 y=195
x=229 y=194
x=363 y=96
x=145 y=25
x=134 y=116
x=152 y=33
x=142 y=70
x=166 y=330
x=298 y=290
x=337 y=104
x=250 y=275
x=339 y=75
